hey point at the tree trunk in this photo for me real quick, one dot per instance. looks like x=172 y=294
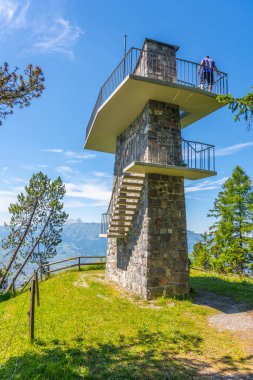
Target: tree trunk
x=29 y=253
x=7 y=269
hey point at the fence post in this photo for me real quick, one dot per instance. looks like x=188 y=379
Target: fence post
x=32 y=309
x=37 y=287
x=41 y=273
x=79 y=263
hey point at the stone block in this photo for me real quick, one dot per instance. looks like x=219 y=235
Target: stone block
x=152 y=261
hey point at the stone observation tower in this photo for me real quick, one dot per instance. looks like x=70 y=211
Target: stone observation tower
x=138 y=116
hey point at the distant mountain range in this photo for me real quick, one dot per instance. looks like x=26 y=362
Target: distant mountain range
x=80 y=238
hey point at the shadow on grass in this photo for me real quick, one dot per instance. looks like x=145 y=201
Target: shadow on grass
x=221 y=294
x=138 y=358
x=6 y=296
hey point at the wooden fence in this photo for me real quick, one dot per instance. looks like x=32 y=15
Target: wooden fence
x=43 y=271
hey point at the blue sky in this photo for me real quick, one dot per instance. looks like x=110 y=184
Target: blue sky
x=78 y=43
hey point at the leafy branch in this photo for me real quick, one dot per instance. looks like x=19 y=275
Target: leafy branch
x=241 y=107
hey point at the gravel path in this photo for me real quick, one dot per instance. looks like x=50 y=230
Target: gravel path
x=233 y=316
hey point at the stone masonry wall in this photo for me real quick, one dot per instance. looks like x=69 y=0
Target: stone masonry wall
x=157 y=61
x=153 y=261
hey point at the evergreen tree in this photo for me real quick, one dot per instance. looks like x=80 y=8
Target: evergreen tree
x=19 y=89
x=37 y=219
x=200 y=255
x=231 y=242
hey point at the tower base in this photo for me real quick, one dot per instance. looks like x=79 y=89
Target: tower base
x=152 y=261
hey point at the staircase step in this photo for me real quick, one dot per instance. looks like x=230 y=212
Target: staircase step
x=120 y=223
x=132 y=181
x=118 y=230
x=125 y=203
x=123 y=219
x=131 y=189
x=126 y=207
x=116 y=236
x=124 y=212
x=129 y=202
x=134 y=175
x=128 y=196
x=117 y=226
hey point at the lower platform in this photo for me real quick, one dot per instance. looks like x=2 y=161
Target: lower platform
x=175 y=171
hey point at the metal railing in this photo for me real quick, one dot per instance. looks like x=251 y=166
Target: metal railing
x=197 y=155
x=162 y=151
x=105 y=221
x=46 y=269
x=156 y=66
x=159 y=150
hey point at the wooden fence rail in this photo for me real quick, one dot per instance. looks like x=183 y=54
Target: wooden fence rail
x=48 y=266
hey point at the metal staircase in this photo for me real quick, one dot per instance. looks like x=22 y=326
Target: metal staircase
x=123 y=205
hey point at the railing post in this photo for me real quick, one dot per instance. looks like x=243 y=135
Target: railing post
x=31 y=312
x=79 y=263
x=37 y=287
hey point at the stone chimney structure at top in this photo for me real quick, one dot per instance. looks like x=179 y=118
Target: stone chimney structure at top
x=151 y=98
x=157 y=61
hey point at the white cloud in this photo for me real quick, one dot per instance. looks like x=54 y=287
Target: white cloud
x=8 y=196
x=13 y=180
x=60 y=37
x=74 y=161
x=101 y=175
x=94 y=191
x=74 y=157
x=78 y=204
x=13 y=13
x=38 y=29
x=65 y=170
x=79 y=155
x=206 y=185
x=54 y=150
x=232 y=149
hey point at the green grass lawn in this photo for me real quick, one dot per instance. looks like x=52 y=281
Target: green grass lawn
x=93 y=331
x=239 y=288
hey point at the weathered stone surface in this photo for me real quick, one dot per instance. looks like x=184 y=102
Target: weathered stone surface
x=157 y=61
x=152 y=261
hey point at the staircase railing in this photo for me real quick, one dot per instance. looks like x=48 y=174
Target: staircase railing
x=161 y=151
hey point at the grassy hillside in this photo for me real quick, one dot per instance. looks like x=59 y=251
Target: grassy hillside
x=86 y=329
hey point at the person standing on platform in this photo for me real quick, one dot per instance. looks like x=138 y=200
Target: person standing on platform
x=207 y=66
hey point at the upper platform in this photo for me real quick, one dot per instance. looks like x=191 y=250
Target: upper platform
x=142 y=75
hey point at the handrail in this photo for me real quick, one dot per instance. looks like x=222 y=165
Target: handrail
x=184 y=72
x=196 y=142
x=61 y=268
x=194 y=155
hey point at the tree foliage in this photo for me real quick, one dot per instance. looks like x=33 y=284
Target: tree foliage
x=19 y=89
x=241 y=107
x=200 y=255
x=229 y=244
x=36 y=223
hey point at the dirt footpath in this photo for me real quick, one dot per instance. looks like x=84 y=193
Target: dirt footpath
x=231 y=315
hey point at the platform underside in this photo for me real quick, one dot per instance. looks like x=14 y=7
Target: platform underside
x=128 y=100
x=177 y=171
